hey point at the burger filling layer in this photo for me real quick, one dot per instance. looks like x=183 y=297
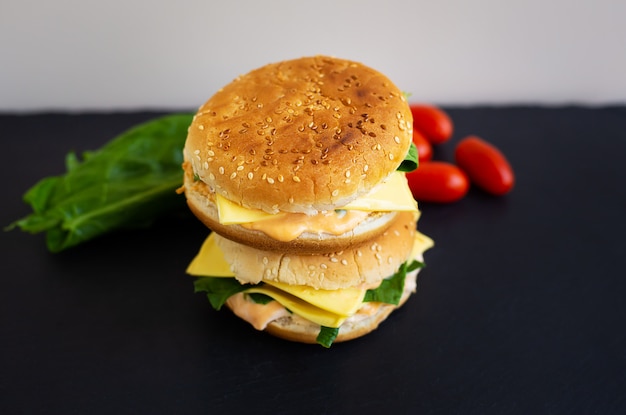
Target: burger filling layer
x=260 y=304
x=393 y=195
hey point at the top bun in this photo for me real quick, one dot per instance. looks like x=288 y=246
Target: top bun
x=304 y=135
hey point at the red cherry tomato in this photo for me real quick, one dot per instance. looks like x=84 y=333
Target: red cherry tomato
x=424 y=148
x=485 y=165
x=438 y=181
x=433 y=122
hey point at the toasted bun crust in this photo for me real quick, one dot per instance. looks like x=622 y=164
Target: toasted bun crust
x=303 y=135
x=300 y=330
x=366 y=263
x=201 y=203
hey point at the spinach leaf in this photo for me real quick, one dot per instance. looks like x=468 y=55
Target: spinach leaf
x=410 y=161
x=218 y=289
x=128 y=183
x=327 y=336
x=259 y=298
x=390 y=290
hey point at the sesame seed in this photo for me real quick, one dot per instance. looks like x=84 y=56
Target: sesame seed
x=366 y=167
x=233 y=175
x=334 y=260
x=390 y=156
x=335 y=192
x=211 y=176
x=323 y=266
x=221 y=169
x=206 y=165
x=250 y=175
x=396 y=139
x=239 y=168
x=211 y=153
x=265 y=260
x=347 y=173
x=270 y=180
x=344 y=261
x=296 y=179
x=196 y=152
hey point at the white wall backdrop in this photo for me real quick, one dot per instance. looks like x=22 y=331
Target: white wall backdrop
x=140 y=54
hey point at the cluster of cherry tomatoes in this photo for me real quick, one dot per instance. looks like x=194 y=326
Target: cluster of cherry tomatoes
x=477 y=161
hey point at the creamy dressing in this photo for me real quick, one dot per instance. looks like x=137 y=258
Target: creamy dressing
x=259 y=315
x=290 y=226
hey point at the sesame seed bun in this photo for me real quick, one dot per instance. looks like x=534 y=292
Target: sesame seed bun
x=366 y=263
x=303 y=135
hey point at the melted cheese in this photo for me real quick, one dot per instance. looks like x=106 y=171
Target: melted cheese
x=391 y=195
x=300 y=307
x=341 y=302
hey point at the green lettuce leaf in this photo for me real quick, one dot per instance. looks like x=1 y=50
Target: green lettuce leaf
x=218 y=289
x=327 y=336
x=390 y=290
x=128 y=183
x=411 y=160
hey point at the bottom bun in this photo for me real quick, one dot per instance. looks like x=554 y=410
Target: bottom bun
x=297 y=329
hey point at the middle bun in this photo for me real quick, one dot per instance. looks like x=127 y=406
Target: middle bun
x=303 y=135
x=368 y=263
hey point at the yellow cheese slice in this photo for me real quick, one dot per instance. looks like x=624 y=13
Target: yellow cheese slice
x=209 y=261
x=390 y=196
x=393 y=195
x=344 y=302
x=231 y=213
x=300 y=307
x=421 y=244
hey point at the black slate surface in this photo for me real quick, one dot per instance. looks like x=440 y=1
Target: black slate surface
x=521 y=308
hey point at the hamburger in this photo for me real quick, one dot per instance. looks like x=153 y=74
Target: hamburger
x=298 y=169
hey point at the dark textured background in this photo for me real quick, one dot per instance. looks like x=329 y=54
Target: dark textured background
x=521 y=308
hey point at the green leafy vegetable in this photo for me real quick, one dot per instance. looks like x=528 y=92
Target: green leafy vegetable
x=128 y=183
x=327 y=336
x=410 y=161
x=259 y=298
x=218 y=289
x=390 y=290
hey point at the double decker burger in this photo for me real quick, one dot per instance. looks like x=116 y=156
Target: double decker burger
x=298 y=169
